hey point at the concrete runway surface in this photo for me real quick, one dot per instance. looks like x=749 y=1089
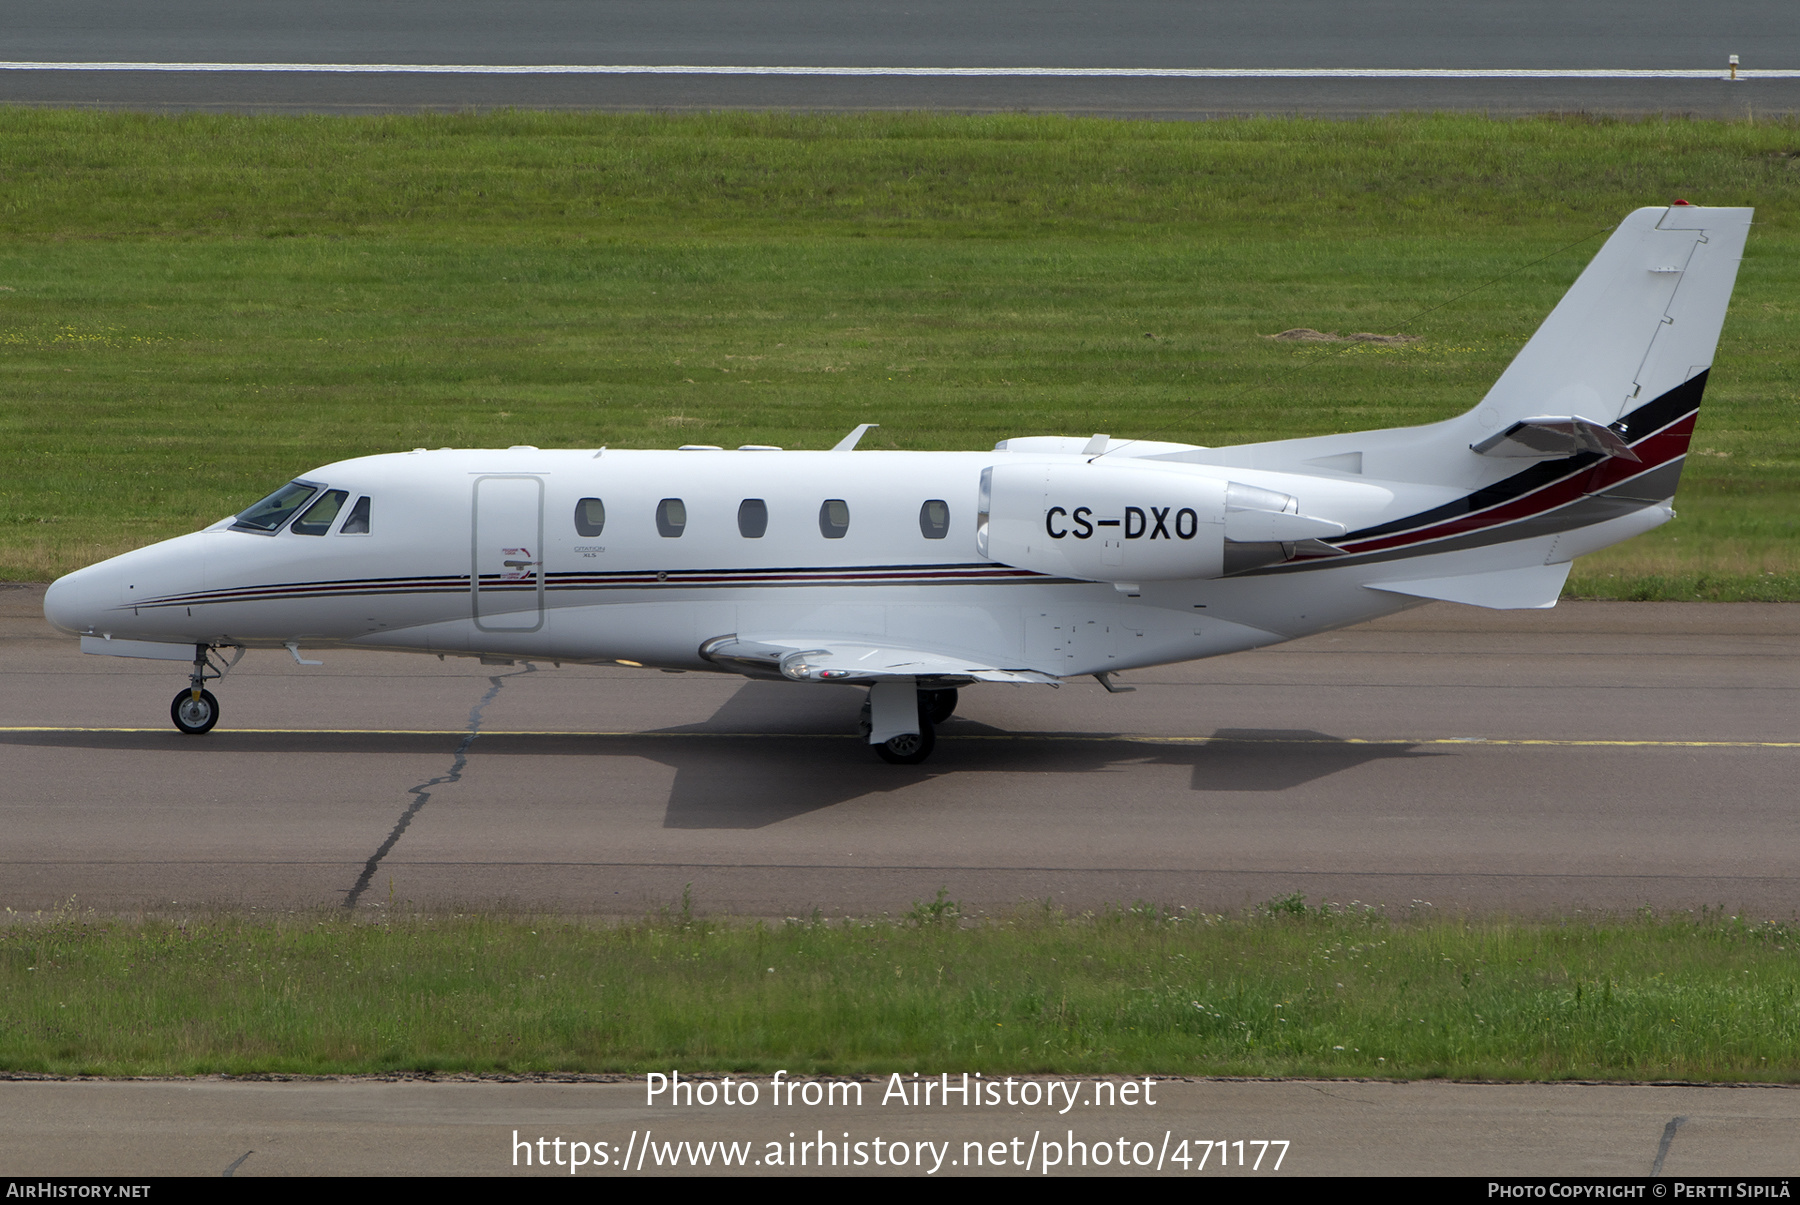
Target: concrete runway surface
x=1600 y=756
x=367 y=1127
x=1307 y=34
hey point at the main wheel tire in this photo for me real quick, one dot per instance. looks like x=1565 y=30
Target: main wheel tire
x=909 y=748
x=194 y=716
x=936 y=706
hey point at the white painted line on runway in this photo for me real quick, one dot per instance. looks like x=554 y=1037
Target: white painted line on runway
x=973 y=736
x=1569 y=73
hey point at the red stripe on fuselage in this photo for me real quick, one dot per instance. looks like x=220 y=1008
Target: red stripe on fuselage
x=1653 y=451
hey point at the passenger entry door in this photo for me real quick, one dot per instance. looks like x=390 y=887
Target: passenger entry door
x=507 y=580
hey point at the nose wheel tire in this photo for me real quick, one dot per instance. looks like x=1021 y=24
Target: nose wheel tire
x=909 y=748
x=194 y=716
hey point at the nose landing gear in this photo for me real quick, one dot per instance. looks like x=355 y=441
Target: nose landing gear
x=195 y=710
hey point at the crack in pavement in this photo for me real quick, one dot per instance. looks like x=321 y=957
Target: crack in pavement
x=1662 y=1152
x=237 y=1163
x=1323 y=1090
x=422 y=793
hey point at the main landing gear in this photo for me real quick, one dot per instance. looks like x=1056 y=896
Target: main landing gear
x=930 y=708
x=936 y=706
x=195 y=710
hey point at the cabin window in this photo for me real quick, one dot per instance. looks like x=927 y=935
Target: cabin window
x=834 y=518
x=753 y=518
x=934 y=519
x=358 y=522
x=269 y=514
x=671 y=518
x=590 y=517
x=320 y=515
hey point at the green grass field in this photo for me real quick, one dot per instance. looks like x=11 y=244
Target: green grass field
x=1285 y=990
x=195 y=308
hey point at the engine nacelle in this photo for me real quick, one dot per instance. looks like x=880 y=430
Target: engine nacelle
x=1102 y=523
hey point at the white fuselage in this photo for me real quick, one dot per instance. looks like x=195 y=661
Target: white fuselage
x=430 y=574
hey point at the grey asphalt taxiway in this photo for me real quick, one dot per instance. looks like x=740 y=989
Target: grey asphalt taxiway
x=46 y=43
x=210 y=1126
x=1603 y=756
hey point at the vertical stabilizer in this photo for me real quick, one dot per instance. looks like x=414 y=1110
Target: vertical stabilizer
x=1643 y=319
x=1578 y=445
x=1627 y=350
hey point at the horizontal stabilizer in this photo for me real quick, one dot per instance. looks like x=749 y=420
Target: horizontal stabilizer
x=1534 y=586
x=1551 y=436
x=804 y=660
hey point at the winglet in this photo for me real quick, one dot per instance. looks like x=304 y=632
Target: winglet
x=849 y=442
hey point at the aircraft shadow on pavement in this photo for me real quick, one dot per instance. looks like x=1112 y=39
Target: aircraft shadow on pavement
x=771 y=753
x=765 y=780
x=1271 y=759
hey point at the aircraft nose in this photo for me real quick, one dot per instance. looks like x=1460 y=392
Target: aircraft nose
x=73 y=603
x=98 y=598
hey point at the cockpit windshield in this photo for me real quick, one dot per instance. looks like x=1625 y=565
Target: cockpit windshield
x=269 y=514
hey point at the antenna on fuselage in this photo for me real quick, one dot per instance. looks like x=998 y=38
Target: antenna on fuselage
x=848 y=443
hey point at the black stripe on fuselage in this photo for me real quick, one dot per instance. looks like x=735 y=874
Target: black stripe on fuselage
x=1585 y=511
x=983 y=573
x=1646 y=420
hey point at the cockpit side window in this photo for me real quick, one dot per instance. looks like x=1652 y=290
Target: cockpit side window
x=358 y=522
x=320 y=515
x=268 y=515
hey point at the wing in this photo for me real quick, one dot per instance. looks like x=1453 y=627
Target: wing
x=799 y=659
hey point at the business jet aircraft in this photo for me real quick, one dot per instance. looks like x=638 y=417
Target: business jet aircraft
x=915 y=573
